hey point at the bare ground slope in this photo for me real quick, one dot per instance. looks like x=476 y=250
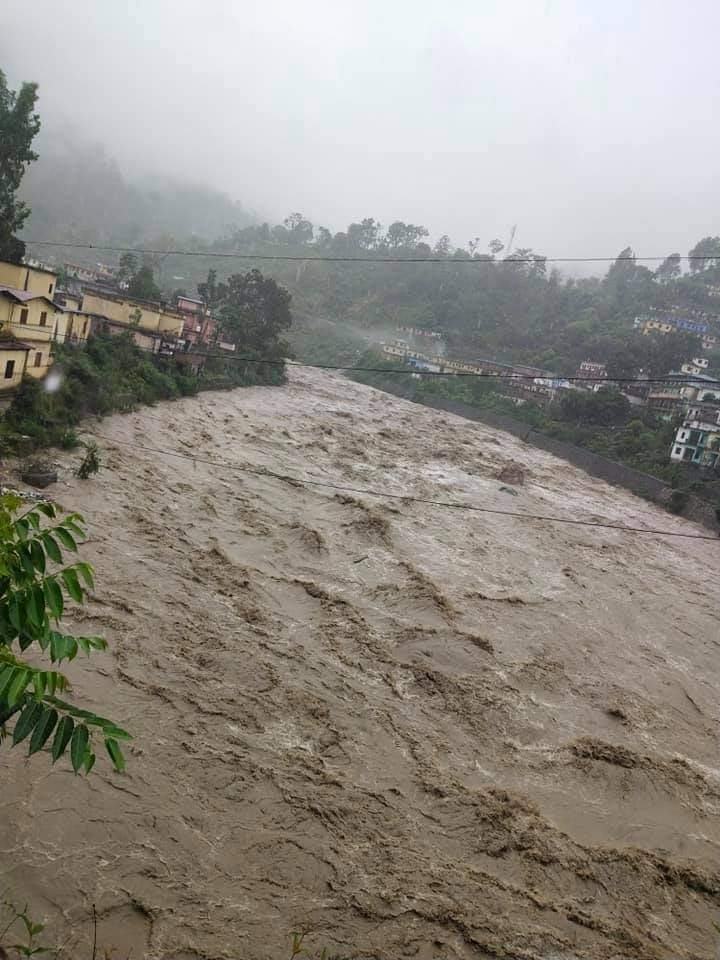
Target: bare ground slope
x=416 y=731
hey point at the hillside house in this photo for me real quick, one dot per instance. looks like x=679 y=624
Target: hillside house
x=672 y=323
x=591 y=375
x=697 y=441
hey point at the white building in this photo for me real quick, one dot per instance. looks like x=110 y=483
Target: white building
x=698 y=439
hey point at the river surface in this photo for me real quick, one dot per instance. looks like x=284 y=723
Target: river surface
x=407 y=730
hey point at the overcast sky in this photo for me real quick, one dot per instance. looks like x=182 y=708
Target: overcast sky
x=590 y=124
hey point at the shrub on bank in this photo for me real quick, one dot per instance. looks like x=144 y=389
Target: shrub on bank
x=111 y=374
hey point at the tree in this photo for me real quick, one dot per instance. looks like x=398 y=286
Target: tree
x=405 y=235
x=127 y=267
x=709 y=250
x=211 y=292
x=364 y=234
x=300 y=229
x=669 y=269
x=255 y=312
x=143 y=285
x=443 y=246
x=19 y=125
x=666 y=352
x=603 y=408
x=495 y=247
x=34 y=588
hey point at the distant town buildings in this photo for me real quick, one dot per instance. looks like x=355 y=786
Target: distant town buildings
x=35 y=313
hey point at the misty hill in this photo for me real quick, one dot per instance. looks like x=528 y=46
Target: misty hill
x=78 y=193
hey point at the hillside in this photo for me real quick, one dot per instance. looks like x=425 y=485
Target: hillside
x=409 y=730
x=78 y=193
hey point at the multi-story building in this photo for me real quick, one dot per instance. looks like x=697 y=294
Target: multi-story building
x=198 y=325
x=697 y=441
x=35 y=280
x=29 y=321
x=672 y=323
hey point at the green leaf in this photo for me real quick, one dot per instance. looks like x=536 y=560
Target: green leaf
x=22 y=527
x=57 y=647
x=43 y=728
x=26 y=559
x=89 y=761
x=53 y=597
x=39 y=683
x=46 y=508
x=14 y=612
x=62 y=737
x=17 y=687
x=31 y=608
x=62 y=647
x=51 y=547
x=117 y=733
x=74 y=528
x=97 y=643
x=86 y=571
x=83 y=643
x=66 y=538
x=6 y=678
x=116 y=755
x=78 y=746
x=38 y=556
x=72 y=584
x=29 y=716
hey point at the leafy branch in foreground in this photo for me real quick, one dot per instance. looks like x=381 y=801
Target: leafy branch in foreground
x=35 y=585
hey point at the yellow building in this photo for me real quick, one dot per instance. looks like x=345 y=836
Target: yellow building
x=660 y=325
x=31 y=318
x=13 y=361
x=29 y=279
x=73 y=326
x=140 y=314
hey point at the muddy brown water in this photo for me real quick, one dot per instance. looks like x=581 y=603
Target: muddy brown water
x=410 y=731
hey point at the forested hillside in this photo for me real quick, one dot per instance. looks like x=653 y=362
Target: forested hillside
x=485 y=300
x=77 y=193
x=516 y=306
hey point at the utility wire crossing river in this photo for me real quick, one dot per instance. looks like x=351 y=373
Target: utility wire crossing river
x=409 y=731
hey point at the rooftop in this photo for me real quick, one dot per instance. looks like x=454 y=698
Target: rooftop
x=23 y=296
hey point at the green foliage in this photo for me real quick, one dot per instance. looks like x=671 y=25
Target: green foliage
x=35 y=585
x=254 y=312
x=605 y=407
x=14 y=919
x=19 y=125
x=90 y=463
x=678 y=501
x=142 y=284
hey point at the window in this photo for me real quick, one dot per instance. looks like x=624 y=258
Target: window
x=50 y=290
x=85 y=328
x=23 y=315
x=43 y=318
x=9 y=369
x=38 y=359
x=678 y=450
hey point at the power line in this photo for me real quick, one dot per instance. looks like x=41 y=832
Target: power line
x=335 y=259
x=364 y=491
x=688 y=380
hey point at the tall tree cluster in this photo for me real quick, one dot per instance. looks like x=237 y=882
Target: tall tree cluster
x=19 y=125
